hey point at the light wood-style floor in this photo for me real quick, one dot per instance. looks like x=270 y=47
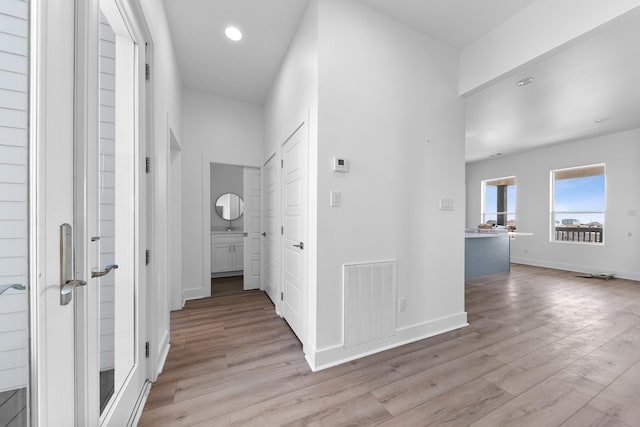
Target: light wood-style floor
x=544 y=348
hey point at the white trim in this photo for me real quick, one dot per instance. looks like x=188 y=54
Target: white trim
x=336 y=355
x=51 y=170
x=576 y=268
x=139 y=406
x=163 y=352
x=37 y=352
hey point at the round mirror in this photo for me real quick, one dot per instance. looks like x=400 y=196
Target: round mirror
x=229 y=206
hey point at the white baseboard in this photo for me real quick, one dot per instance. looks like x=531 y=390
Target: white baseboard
x=575 y=267
x=189 y=294
x=227 y=274
x=163 y=353
x=337 y=355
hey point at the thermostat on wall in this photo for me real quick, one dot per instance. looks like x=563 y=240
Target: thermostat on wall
x=340 y=165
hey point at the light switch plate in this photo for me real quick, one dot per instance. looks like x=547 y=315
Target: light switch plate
x=446 y=204
x=334 y=199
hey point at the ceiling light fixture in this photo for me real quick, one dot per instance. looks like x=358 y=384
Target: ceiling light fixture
x=233 y=34
x=601 y=119
x=525 y=81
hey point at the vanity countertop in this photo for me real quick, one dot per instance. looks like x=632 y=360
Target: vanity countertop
x=227 y=233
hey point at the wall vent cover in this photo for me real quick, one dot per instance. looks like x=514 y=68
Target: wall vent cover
x=369 y=295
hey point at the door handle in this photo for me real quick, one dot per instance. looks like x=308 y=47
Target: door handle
x=301 y=245
x=264 y=234
x=106 y=271
x=68 y=281
x=16 y=286
x=65 y=291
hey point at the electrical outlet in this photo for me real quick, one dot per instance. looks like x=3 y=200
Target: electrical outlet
x=402 y=304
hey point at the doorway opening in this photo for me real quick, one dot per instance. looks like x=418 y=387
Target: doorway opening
x=234 y=224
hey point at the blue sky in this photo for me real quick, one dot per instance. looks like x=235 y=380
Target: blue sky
x=579 y=194
x=573 y=194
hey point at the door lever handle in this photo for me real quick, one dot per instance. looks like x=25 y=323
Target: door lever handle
x=301 y=245
x=264 y=234
x=106 y=271
x=68 y=281
x=70 y=286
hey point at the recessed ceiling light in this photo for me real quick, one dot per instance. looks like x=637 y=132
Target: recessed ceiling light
x=601 y=119
x=233 y=33
x=525 y=81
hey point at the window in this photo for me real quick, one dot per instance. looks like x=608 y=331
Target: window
x=578 y=204
x=499 y=201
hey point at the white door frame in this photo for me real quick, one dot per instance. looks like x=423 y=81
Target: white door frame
x=275 y=232
x=51 y=204
x=251 y=228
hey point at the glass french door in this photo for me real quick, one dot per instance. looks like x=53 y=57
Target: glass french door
x=115 y=265
x=89 y=207
x=14 y=212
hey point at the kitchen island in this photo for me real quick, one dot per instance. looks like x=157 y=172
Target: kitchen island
x=486 y=253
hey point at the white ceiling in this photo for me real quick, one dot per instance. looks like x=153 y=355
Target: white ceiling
x=242 y=70
x=454 y=22
x=592 y=78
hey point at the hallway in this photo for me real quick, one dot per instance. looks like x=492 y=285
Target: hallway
x=544 y=347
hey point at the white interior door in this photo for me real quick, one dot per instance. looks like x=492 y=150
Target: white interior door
x=251 y=190
x=295 y=212
x=270 y=230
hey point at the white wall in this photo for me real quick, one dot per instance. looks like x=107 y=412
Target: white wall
x=216 y=130
x=295 y=89
x=166 y=87
x=388 y=102
x=225 y=179
x=619 y=254
x=293 y=99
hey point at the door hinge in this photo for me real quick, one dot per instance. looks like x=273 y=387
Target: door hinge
x=281 y=163
x=146 y=349
x=147 y=257
x=147 y=164
x=282 y=229
x=147 y=72
x=281 y=296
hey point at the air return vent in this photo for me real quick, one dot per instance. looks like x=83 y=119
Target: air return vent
x=369 y=302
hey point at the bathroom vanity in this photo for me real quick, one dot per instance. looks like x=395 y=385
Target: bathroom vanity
x=227 y=252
